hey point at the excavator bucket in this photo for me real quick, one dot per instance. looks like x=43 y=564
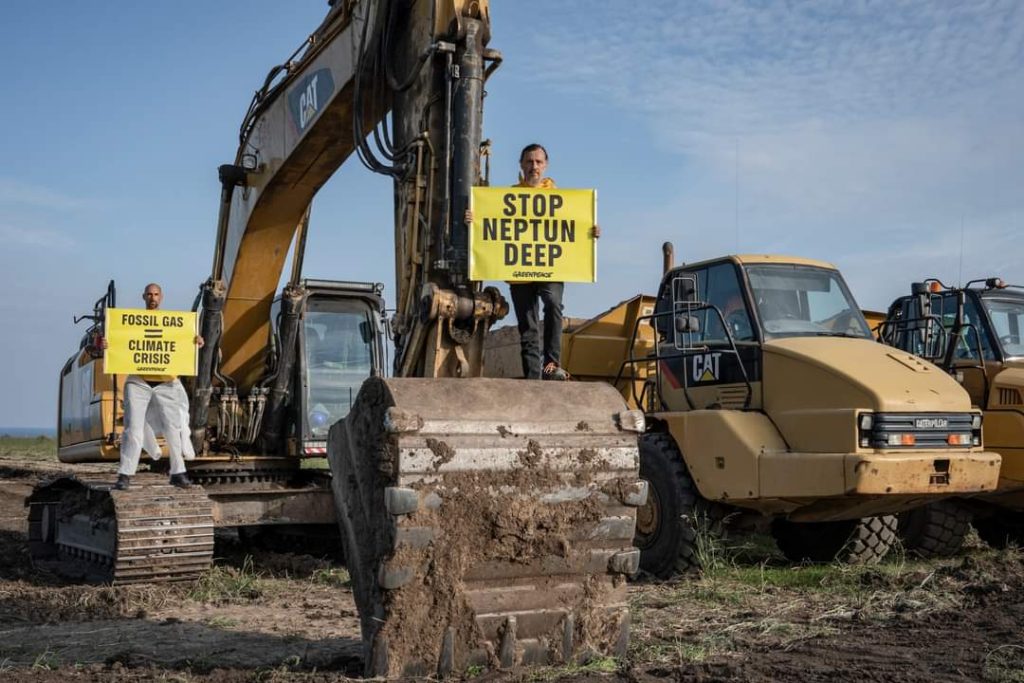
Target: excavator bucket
x=487 y=522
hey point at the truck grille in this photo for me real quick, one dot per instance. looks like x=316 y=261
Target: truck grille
x=928 y=430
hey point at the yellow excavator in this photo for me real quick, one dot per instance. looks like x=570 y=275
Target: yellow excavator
x=485 y=522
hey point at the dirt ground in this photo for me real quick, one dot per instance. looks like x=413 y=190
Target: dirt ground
x=266 y=616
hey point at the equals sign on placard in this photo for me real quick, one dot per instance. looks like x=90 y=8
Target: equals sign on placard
x=153 y=333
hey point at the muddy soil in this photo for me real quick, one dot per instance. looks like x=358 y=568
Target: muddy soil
x=266 y=616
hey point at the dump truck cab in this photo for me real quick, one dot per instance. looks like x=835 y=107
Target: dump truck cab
x=766 y=393
x=976 y=334
x=771 y=358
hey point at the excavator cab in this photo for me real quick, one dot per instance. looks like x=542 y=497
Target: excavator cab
x=340 y=345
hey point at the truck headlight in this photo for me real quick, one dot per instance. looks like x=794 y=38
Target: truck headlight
x=864 y=424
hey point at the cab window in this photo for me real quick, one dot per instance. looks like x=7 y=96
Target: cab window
x=944 y=306
x=719 y=286
x=1007 y=317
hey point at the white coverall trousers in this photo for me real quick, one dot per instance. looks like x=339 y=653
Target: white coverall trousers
x=149 y=443
x=161 y=405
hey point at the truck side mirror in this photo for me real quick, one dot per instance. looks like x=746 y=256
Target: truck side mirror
x=687 y=324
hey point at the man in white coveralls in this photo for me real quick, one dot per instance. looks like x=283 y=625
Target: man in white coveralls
x=160 y=402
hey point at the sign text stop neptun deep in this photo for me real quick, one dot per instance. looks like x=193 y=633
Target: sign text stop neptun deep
x=529 y=234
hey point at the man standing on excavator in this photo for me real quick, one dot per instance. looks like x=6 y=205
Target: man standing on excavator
x=533 y=162
x=153 y=397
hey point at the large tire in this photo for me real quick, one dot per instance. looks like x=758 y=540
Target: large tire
x=1001 y=529
x=853 y=541
x=935 y=530
x=666 y=530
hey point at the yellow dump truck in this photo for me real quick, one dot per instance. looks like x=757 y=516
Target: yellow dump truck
x=768 y=401
x=976 y=334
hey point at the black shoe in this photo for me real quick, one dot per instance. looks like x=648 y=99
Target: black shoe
x=123 y=482
x=181 y=481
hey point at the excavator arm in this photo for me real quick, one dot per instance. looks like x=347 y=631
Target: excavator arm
x=424 y=64
x=364 y=61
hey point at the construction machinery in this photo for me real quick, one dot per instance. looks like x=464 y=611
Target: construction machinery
x=975 y=333
x=768 y=402
x=326 y=339
x=484 y=522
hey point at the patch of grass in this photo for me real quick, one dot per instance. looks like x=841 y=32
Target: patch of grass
x=228 y=584
x=222 y=622
x=30 y=448
x=692 y=652
x=474 y=671
x=314 y=464
x=337 y=577
x=47 y=660
x=679 y=651
x=1005 y=664
x=597 y=665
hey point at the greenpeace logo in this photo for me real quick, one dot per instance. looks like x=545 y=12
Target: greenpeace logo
x=931 y=423
x=531 y=273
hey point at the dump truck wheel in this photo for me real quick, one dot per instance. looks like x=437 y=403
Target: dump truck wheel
x=853 y=541
x=666 y=527
x=935 y=530
x=1002 y=529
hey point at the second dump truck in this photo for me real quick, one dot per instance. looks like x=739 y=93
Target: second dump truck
x=976 y=334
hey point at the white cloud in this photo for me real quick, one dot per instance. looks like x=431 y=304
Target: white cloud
x=15 y=192
x=34 y=237
x=864 y=133
x=723 y=68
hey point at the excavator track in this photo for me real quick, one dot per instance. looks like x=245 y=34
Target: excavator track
x=487 y=522
x=153 y=532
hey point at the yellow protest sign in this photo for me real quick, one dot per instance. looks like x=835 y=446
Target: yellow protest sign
x=142 y=342
x=525 y=233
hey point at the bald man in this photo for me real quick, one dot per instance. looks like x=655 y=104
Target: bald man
x=155 y=400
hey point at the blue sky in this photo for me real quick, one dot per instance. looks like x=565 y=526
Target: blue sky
x=872 y=134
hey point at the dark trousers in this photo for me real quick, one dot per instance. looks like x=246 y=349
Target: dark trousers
x=525 y=299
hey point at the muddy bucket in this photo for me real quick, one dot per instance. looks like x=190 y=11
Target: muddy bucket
x=487 y=522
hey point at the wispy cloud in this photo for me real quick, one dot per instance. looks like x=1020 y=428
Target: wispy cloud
x=862 y=132
x=13 y=235
x=722 y=68
x=14 y=192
